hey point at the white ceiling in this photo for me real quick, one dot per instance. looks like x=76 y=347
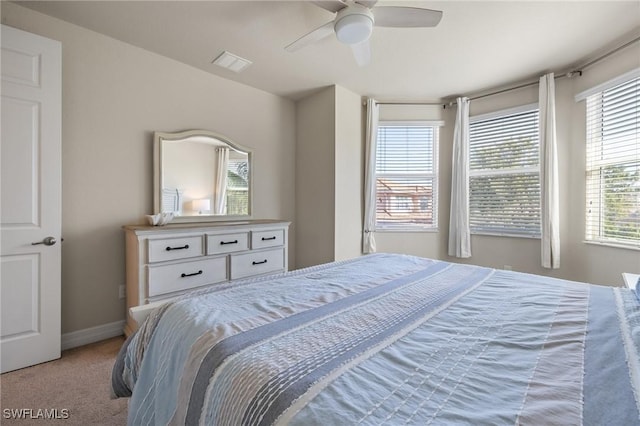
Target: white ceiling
x=478 y=45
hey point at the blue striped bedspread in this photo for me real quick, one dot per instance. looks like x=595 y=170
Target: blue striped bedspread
x=387 y=340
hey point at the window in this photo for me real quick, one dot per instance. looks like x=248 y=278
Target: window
x=237 y=186
x=407 y=175
x=613 y=164
x=504 y=173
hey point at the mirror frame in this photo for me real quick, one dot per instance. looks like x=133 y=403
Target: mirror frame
x=159 y=137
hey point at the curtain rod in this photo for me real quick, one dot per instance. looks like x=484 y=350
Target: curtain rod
x=408 y=103
x=573 y=73
x=606 y=55
x=523 y=85
x=442 y=104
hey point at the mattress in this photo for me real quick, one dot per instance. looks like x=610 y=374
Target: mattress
x=388 y=339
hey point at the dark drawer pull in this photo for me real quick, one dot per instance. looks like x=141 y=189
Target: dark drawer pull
x=259 y=263
x=228 y=242
x=268 y=238
x=186 y=246
x=191 y=275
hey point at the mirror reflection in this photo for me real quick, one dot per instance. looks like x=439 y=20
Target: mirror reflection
x=201 y=175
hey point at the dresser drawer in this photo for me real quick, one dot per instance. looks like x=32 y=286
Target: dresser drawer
x=175 y=248
x=227 y=243
x=185 y=275
x=262 y=262
x=269 y=238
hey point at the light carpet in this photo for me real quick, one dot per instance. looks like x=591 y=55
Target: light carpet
x=76 y=386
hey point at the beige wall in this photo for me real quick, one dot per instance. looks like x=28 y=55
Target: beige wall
x=349 y=146
x=315 y=172
x=579 y=261
x=308 y=164
x=114 y=97
x=328 y=176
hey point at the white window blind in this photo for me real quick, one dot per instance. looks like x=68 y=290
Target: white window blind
x=406 y=176
x=504 y=173
x=613 y=165
x=237 y=186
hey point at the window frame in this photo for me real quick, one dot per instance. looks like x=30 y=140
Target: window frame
x=487 y=230
x=413 y=227
x=594 y=228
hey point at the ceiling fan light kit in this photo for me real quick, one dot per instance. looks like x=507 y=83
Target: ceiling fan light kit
x=354 y=25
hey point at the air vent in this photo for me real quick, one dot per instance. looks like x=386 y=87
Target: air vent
x=231 y=62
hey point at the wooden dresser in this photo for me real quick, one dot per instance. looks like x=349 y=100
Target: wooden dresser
x=165 y=261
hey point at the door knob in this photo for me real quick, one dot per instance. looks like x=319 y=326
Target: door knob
x=49 y=241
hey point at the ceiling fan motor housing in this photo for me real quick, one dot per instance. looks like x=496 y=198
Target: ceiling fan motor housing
x=354 y=24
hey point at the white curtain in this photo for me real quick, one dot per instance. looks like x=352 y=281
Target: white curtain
x=549 y=192
x=459 y=233
x=371 y=135
x=220 y=195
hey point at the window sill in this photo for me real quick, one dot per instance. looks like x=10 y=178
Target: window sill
x=613 y=245
x=405 y=229
x=497 y=234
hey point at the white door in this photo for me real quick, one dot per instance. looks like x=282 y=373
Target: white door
x=30 y=199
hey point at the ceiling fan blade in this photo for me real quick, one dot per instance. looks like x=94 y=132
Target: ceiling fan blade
x=398 y=16
x=362 y=53
x=311 y=37
x=331 y=5
x=367 y=3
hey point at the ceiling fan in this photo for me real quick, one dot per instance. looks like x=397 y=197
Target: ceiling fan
x=355 y=20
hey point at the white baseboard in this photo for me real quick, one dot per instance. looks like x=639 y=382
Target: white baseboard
x=92 y=334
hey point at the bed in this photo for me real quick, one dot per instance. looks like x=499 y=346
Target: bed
x=387 y=339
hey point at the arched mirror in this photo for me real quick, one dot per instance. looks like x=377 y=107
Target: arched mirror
x=201 y=176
